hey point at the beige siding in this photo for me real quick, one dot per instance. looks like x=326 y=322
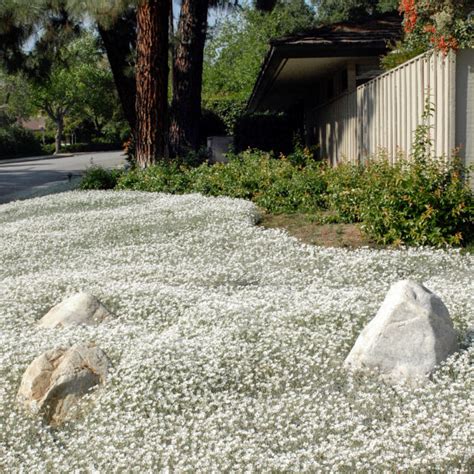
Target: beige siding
x=465 y=107
x=383 y=113
x=335 y=127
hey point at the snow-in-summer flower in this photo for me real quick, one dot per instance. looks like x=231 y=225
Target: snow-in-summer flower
x=228 y=344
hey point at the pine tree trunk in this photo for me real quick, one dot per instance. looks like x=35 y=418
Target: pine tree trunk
x=119 y=42
x=151 y=130
x=187 y=76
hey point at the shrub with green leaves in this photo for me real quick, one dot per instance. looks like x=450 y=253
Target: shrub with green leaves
x=344 y=191
x=164 y=176
x=418 y=203
x=412 y=202
x=17 y=141
x=100 y=178
x=228 y=110
x=278 y=185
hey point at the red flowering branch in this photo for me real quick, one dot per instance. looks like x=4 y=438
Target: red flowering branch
x=413 y=18
x=408 y=9
x=441 y=42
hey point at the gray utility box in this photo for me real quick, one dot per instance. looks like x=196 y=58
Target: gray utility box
x=218 y=147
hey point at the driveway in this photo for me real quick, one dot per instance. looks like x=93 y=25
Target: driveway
x=23 y=174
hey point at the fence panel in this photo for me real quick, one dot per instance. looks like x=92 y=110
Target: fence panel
x=335 y=127
x=384 y=113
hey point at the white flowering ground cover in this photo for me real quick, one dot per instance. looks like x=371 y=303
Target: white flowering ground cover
x=228 y=343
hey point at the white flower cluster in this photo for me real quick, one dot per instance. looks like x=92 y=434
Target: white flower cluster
x=228 y=343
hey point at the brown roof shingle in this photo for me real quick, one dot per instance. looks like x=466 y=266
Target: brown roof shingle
x=382 y=28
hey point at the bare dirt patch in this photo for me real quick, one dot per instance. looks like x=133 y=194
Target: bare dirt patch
x=310 y=231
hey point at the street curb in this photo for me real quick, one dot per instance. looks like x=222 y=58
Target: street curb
x=23 y=159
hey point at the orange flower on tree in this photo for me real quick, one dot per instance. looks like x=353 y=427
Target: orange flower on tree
x=408 y=9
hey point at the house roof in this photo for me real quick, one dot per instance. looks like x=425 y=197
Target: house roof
x=339 y=40
x=377 y=30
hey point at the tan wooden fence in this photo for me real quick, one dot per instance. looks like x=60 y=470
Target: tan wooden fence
x=383 y=113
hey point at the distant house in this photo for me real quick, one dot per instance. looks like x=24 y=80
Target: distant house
x=35 y=124
x=308 y=69
x=351 y=110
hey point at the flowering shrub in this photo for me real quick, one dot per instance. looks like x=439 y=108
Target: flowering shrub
x=228 y=343
x=97 y=177
x=410 y=202
x=442 y=25
x=409 y=10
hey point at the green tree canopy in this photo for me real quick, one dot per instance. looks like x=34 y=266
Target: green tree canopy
x=330 y=11
x=238 y=44
x=79 y=84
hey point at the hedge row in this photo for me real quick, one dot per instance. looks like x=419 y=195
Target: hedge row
x=17 y=141
x=409 y=203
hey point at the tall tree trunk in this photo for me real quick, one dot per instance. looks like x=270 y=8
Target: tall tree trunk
x=119 y=43
x=151 y=131
x=59 y=133
x=187 y=76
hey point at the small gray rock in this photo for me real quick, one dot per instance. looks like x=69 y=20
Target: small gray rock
x=55 y=381
x=409 y=336
x=469 y=337
x=81 y=308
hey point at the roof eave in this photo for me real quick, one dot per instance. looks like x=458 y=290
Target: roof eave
x=258 y=88
x=279 y=53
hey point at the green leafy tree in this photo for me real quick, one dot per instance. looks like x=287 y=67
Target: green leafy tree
x=443 y=25
x=77 y=85
x=32 y=33
x=330 y=11
x=119 y=37
x=15 y=101
x=238 y=44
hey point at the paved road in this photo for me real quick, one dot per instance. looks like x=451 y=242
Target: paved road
x=21 y=174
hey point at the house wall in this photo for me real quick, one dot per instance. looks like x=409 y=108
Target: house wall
x=341 y=81
x=383 y=113
x=465 y=107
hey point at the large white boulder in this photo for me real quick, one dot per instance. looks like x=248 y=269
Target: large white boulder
x=410 y=335
x=81 y=308
x=55 y=381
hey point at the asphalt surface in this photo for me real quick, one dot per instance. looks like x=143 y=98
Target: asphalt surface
x=24 y=174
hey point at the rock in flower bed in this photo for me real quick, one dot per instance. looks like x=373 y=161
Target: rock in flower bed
x=228 y=343
x=411 y=334
x=56 y=380
x=80 y=308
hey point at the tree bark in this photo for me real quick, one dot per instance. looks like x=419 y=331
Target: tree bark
x=119 y=43
x=59 y=133
x=187 y=76
x=151 y=132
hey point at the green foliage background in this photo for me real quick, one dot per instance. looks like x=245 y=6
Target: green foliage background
x=340 y=10
x=236 y=48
